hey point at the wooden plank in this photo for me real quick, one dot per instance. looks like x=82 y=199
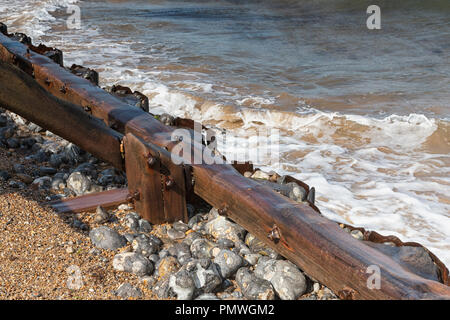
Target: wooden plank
x=144 y=180
x=22 y=95
x=316 y=244
x=89 y=202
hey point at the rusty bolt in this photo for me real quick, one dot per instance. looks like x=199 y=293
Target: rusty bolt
x=274 y=234
x=47 y=82
x=63 y=89
x=169 y=183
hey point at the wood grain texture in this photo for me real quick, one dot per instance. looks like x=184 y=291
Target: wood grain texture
x=317 y=245
x=22 y=95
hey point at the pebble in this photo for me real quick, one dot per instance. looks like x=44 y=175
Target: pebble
x=316 y=287
x=257 y=246
x=225 y=243
x=325 y=294
x=296 y=192
x=124 y=207
x=357 y=234
x=228 y=262
x=130 y=236
x=127 y=291
x=144 y=226
x=154 y=258
x=162 y=288
x=163 y=253
x=95 y=251
x=72 y=153
x=133 y=263
x=180 y=226
x=13 y=143
x=182 y=249
x=195 y=219
x=207 y=296
x=16 y=184
x=252 y=258
x=107 y=238
x=149 y=281
x=167 y=266
x=215 y=251
x=260 y=175
x=191 y=237
x=58 y=184
x=4 y=175
x=42 y=182
x=25 y=178
x=45 y=171
x=55 y=160
x=253 y=287
x=19 y=168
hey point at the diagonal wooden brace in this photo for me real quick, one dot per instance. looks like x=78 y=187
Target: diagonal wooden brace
x=156 y=185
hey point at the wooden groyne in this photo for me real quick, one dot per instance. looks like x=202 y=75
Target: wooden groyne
x=35 y=85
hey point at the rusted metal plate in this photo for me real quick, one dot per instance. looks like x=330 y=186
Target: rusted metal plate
x=106 y=199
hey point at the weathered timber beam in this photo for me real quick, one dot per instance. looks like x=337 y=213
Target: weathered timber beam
x=22 y=95
x=314 y=243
